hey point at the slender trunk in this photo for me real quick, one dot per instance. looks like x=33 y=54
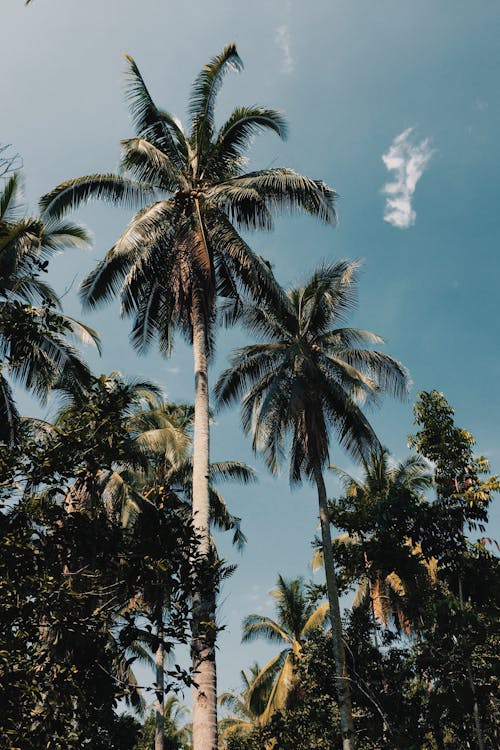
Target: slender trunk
x=203 y=625
x=160 y=686
x=385 y=726
x=342 y=681
x=470 y=676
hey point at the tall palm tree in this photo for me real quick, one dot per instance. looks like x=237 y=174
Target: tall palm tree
x=34 y=332
x=303 y=378
x=183 y=250
x=296 y=619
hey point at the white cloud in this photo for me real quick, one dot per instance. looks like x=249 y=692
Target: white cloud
x=283 y=40
x=408 y=160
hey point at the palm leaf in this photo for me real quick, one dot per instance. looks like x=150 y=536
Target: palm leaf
x=316 y=620
x=285 y=190
x=110 y=188
x=235 y=135
x=150 y=123
x=148 y=163
x=206 y=87
x=9 y=209
x=258 y=626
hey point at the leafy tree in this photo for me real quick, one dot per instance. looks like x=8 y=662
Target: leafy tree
x=463 y=497
x=56 y=665
x=305 y=377
x=247 y=707
x=377 y=551
x=82 y=571
x=183 y=251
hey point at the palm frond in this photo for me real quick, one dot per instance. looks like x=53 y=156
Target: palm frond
x=316 y=620
x=243 y=206
x=344 y=338
x=59 y=235
x=258 y=626
x=263 y=681
x=148 y=163
x=362 y=593
x=224 y=520
x=9 y=197
x=110 y=188
x=205 y=89
x=280 y=689
x=391 y=376
x=235 y=135
x=284 y=189
x=236 y=471
x=83 y=332
x=150 y=123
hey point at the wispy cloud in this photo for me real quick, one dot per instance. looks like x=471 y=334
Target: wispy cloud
x=284 y=43
x=408 y=159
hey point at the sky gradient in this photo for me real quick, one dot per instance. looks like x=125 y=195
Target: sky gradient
x=394 y=103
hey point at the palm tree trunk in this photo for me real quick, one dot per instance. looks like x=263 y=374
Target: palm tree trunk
x=203 y=621
x=470 y=676
x=342 y=682
x=160 y=685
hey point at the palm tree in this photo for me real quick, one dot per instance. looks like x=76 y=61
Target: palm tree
x=306 y=377
x=183 y=250
x=176 y=733
x=296 y=619
x=246 y=716
x=34 y=332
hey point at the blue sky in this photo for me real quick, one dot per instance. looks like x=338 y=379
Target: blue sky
x=352 y=76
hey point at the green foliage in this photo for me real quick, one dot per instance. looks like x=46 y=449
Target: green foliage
x=35 y=335
x=176 y=735
x=75 y=580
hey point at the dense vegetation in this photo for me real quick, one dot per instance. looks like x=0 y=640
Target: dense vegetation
x=108 y=558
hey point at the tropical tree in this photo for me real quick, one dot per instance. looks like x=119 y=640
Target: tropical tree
x=34 y=332
x=247 y=706
x=183 y=250
x=375 y=511
x=176 y=732
x=305 y=377
x=463 y=498
x=296 y=619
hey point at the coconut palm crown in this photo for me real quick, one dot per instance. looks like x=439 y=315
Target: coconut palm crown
x=308 y=375
x=183 y=249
